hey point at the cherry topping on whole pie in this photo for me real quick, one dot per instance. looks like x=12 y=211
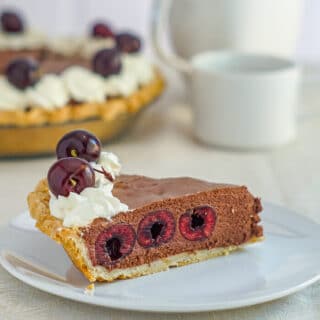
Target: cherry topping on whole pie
x=101 y=30
x=128 y=42
x=11 y=22
x=70 y=175
x=79 y=143
x=22 y=73
x=107 y=62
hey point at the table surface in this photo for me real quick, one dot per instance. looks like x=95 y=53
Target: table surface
x=162 y=144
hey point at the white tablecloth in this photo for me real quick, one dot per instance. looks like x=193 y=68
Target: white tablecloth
x=162 y=144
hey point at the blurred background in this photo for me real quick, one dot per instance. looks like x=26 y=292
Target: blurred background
x=61 y=17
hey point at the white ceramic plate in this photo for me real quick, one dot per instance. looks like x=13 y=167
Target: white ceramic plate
x=287 y=261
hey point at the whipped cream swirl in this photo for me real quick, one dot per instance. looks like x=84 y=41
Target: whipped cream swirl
x=10 y=97
x=79 y=84
x=49 y=93
x=84 y=85
x=78 y=210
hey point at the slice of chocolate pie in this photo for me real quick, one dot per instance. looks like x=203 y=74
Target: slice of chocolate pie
x=124 y=226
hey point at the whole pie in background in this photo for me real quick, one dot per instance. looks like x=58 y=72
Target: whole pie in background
x=49 y=86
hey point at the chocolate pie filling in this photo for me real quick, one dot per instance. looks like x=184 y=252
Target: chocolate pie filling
x=223 y=215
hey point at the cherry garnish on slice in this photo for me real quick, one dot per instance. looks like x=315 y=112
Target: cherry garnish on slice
x=70 y=175
x=22 y=73
x=79 y=143
x=11 y=22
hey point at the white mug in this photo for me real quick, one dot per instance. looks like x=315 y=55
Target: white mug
x=239 y=100
x=250 y=26
x=243 y=100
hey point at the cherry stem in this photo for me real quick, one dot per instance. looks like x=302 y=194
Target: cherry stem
x=105 y=173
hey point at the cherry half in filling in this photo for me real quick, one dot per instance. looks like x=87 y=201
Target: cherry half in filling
x=197 y=223
x=114 y=243
x=156 y=228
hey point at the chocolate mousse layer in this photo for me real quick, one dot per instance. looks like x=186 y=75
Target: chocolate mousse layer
x=171 y=216
x=57 y=66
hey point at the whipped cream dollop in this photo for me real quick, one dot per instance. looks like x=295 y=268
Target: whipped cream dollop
x=84 y=85
x=49 y=93
x=136 y=71
x=78 y=210
x=29 y=39
x=10 y=97
x=136 y=66
x=79 y=84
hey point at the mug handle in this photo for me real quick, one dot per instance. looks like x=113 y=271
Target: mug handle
x=160 y=10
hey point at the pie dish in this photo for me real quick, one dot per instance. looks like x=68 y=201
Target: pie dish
x=45 y=83
x=116 y=226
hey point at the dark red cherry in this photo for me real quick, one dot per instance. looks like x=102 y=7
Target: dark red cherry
x=79 y=143
x=107 y=62
x=101 y=30
x=114 y=243
x=70 y=175
x=11 y=22
x=197 y=223
x=128 y=42
x=156 y=228
x=22 y=73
